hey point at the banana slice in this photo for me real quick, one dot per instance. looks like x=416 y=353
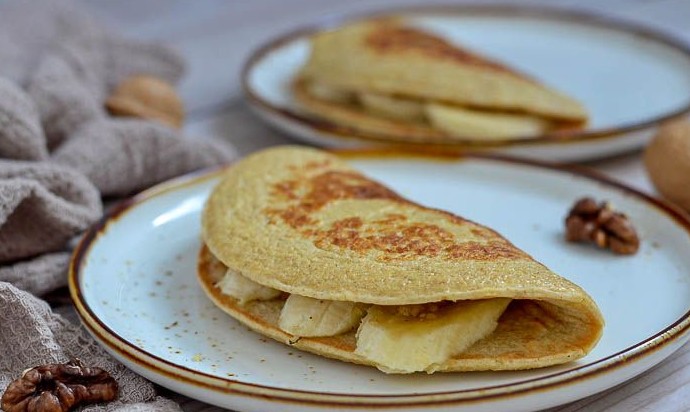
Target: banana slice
x=243 y=289
x=392 y=107
x=398 y=343
x=466 y=123
x=330 y=93
x=304 y=316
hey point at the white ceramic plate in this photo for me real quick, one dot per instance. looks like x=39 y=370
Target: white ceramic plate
x=629 y=77
x=133 y=282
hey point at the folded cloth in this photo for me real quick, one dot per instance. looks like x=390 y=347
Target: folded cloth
x=121 y=155
x=62 y=99
x=60 y=153
x=42 y=206
x=21 y=134
x=39 y=275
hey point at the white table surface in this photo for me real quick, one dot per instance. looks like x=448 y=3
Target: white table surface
x=215 y=36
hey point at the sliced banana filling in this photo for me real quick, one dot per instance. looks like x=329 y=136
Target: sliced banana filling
x=401 y=341
x=330 y=93
x=245 y=290
x=397 y=339
x=304 y=316
x=390 y=107
x=465 y=123
x=457 y=121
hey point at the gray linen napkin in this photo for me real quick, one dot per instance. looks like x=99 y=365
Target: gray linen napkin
x=60 y=152
x=139 y=153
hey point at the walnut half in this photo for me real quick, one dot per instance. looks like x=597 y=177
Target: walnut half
x=589 y=221
x=58 y=388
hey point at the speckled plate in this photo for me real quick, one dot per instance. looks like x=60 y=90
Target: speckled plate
x=629 y=77
x=133 y=281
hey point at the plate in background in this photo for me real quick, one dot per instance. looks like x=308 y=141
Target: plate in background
x=134 y=285
x=629 y=77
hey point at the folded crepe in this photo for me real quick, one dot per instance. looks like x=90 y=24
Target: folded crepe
x=380 y=76
x=304 y=249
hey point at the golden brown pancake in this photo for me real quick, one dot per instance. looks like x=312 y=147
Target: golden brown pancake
x=303 y=221
x=387 y=57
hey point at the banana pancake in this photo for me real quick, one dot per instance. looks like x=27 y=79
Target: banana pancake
x=304 y=249
x=387 y=57
x=384 y=77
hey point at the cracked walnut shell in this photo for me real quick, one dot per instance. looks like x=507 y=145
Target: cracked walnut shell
x=147 y=97
x=667 y=159
x=58 y=388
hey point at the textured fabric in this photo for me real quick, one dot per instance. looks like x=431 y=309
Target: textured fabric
x=40 y=275
x=63 y=101
x=21 y=135
x=42 y=206
x=120 y=156
x=60 y=153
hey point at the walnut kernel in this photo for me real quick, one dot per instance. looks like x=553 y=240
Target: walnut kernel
x=58 y=388
x=589 y=221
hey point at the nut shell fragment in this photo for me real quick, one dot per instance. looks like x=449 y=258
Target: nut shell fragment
x=147 y=97
x=667 y=159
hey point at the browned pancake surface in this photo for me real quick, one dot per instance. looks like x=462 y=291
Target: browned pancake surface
x=391 y=58
x=392 y=38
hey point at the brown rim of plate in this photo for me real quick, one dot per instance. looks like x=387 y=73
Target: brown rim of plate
x=497 y=10
x=170 y=370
